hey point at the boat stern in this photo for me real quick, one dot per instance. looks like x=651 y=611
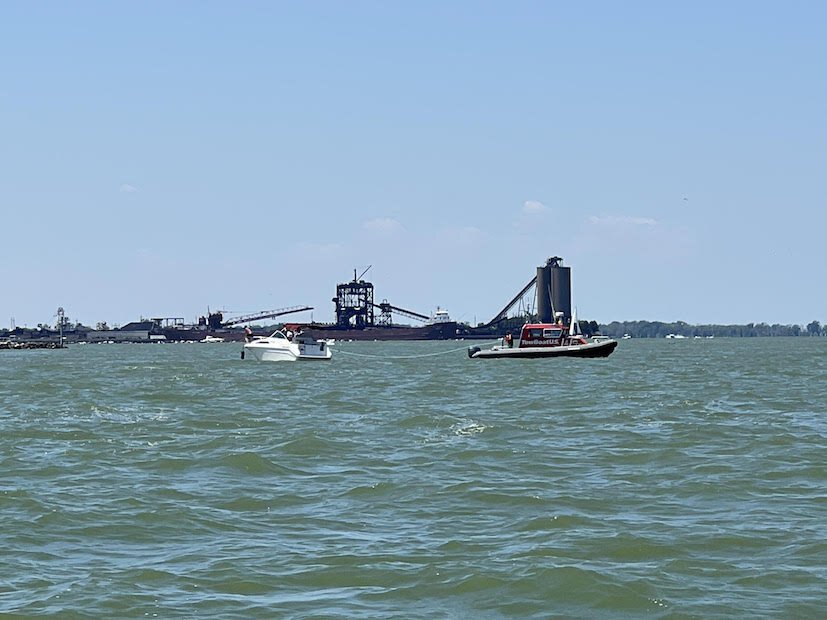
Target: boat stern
x=318 y=350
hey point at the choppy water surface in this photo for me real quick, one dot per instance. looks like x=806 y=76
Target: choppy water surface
x=673 y=479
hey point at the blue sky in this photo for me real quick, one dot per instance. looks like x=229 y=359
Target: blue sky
x=158 y=158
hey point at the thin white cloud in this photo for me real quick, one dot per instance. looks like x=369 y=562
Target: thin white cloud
x=383 y=226
x=534 y=206
x=126 y=188
x=621 y=220
x=531 y=215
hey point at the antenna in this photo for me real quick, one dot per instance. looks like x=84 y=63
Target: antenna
x=363 y=273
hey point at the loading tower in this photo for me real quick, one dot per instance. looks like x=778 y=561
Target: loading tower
x=355 y=308
x=354 y=303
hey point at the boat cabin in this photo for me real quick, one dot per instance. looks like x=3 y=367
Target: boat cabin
x=545 y=340
x=547 y=335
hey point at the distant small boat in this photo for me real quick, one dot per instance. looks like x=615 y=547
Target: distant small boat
x=626 y=337
x=211 y=339
x=284 y=347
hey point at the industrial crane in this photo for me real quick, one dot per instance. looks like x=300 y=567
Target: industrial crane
x=503 y=314
x=385 y=310
x=216 y=319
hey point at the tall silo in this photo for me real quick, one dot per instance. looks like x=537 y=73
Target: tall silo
x=560 y=287
x=543 y=287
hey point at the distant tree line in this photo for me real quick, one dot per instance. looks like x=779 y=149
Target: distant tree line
x=658 y=329
x=615 y=329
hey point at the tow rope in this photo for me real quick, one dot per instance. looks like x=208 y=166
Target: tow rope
x=408 y=357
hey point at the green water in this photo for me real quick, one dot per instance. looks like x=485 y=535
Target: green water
x=673 y=479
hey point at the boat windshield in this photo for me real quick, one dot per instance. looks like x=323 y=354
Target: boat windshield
x=553 y=332
x=537 y=333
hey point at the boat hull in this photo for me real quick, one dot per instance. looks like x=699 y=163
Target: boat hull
x=268 y=354
x=591 y=349
x=277 y=350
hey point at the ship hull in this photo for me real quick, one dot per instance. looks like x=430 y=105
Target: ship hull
x=440 y=331
x=592 y=349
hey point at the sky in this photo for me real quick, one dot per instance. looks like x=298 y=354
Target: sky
x=163 y=158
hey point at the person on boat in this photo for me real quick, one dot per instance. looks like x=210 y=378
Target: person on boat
x=509 y=340
x=248 y=334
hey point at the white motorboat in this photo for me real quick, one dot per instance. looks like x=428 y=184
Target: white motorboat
x=212 y=339
x=284 y=347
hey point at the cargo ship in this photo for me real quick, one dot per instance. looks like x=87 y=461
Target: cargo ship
x=359 y=317
x=444 y=331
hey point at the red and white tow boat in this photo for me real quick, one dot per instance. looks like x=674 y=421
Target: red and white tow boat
x=546 y=340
